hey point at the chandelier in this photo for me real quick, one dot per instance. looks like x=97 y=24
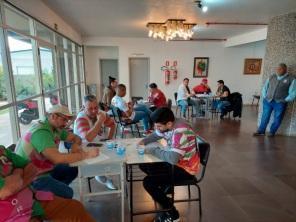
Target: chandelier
x=171 y=29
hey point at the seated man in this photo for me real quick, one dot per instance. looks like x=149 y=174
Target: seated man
x=156 y=97
x=223 y=93
x=181 y=152
x=17 y=202
x=202 y=88
x=40 y=146
x=88 y=125
x=139 y=112
x=183 y=98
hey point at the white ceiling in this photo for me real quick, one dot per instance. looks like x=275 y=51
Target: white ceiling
x=128 y=18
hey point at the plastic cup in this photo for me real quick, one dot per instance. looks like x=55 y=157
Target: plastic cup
x=110 y=144
x=120 y=150
x=141 y=150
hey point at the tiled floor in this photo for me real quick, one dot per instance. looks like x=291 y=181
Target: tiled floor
x=248 y=179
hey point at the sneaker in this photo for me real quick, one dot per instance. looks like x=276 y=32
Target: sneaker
x=258 y=134
x=171 y=216
x=107 y=182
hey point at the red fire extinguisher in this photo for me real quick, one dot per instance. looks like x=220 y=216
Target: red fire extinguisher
x=175 y=71
x=167 y=76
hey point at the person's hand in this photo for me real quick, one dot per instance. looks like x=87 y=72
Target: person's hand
x=75 y=148
x=141 y=143
x=30 y=172
x=130 y=105
x=101 y=117
x=77 y=140
x=91 y=153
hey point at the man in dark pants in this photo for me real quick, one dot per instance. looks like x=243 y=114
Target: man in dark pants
x=180 y=151
x=278 y=90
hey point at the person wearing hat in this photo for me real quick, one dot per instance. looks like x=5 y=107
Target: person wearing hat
x=109 y=91
x=202 y=88
x=40 y=146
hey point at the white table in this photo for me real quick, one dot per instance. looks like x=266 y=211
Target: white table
x=113 y=165
x=207 y=98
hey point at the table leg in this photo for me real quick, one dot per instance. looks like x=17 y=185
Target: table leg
x=131 y=193
x=122 y=191
x=80 y=184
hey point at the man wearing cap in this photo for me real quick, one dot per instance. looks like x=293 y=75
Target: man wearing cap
x=40 y=146
x=202 y=88
x=278 y=90
x=109 y=91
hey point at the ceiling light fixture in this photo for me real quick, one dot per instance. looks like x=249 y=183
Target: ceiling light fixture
x=171 y=29
x=199 y=4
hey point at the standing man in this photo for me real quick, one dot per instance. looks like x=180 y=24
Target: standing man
x=88 y=125
x=40 y=146
x=278 y=90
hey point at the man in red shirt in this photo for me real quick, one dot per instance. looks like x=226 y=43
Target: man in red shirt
x=202 y=88
x=156 y=97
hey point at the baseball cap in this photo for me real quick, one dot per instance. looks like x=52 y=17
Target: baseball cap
x=204 y=80
x=60 y=109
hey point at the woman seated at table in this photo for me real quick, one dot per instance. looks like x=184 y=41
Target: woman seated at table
x=156 y=97
x=202 y=88
x=183 y=98
x=18 y=202
x=129 y=112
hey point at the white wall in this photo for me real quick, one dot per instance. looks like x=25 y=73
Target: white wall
x=92 y=66
x=39 y=10
x=225 y=63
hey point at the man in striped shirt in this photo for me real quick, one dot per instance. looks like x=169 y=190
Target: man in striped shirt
x=88 y=125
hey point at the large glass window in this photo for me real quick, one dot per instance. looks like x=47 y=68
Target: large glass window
x=17 y=21
x=34 y=57
x=23 y=66
x=7 y=124
x=48 y=70
x=44 y=33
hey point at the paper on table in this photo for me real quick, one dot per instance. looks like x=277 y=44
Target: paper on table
x=102 y=157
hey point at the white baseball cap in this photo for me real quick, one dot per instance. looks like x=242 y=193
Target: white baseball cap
x=61 y=109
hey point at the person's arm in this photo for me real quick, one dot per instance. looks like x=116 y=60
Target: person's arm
x=292 y=92
x=225 y=94
x=53 y=155
x=10 y=185
x=265 y=88
x=153 y=137
x=71 y=137
x=168 y=156
x=109 y=97
x=90 y=133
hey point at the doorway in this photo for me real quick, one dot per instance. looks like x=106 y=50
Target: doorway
x=139 y=77
x=108 y=67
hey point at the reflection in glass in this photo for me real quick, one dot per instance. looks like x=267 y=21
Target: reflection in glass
x=47 y=68
x=6 y=133
x=44 y=33
x=22 y=61
x=17 y=20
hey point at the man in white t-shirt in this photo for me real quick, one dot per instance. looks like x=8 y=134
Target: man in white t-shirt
x=139 y=112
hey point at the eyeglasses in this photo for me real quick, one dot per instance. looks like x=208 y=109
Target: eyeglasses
x=64 y=118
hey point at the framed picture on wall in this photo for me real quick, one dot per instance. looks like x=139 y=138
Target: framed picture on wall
x=201 y=67
x=252 y=66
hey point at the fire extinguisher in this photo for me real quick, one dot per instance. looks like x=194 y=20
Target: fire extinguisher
x=175 y=72
x=167 y=76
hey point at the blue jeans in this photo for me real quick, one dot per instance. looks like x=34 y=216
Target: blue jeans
x=184 y=103
x=222 y=106
x=142 y=113
x=58 y=181
x=279 y=109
